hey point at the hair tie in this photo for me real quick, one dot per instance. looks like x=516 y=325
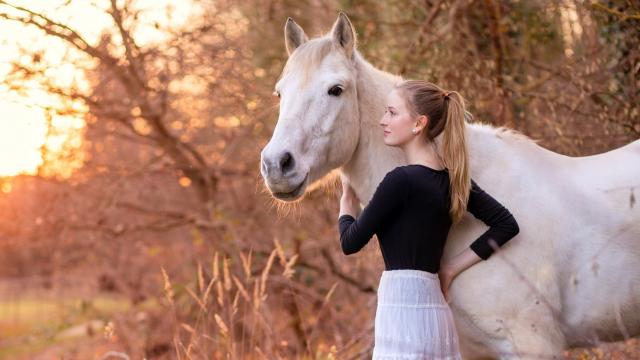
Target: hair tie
x=446 y=94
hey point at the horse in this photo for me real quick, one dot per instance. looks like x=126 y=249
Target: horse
x=569 y=278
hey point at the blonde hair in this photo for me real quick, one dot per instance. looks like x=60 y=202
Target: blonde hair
x=445 y=111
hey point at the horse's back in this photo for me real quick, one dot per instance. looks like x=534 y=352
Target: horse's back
x=609 y=173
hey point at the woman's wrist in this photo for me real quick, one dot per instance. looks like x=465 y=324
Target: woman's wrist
x=461 y=262
x=448 y=270
x=348 y=205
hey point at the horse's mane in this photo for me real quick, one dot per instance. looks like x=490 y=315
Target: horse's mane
x=503 y=132
x=307 y=57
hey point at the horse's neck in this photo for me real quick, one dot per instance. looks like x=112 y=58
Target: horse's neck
x=372 y=159
x=486 y=152
x=489 y=153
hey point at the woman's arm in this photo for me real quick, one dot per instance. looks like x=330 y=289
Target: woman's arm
x=349 y=202
x=502 y=227
x=502 y=224
x=454 y=267
x=387 y=199
x=461 y=262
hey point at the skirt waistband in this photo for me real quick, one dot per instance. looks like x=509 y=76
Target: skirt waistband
x=409 y=273
x=410 y=288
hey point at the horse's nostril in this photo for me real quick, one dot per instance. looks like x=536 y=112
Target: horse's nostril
x=286 y=162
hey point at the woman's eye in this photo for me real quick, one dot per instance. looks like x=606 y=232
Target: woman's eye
x=335 y=91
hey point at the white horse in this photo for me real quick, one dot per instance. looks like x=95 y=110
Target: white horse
x=572 y=274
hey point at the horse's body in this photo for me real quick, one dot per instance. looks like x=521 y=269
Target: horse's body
x=572 y=274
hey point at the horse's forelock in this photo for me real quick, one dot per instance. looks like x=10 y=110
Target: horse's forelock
x=307 y=58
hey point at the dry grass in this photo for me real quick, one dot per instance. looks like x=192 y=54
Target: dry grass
x=226 y=313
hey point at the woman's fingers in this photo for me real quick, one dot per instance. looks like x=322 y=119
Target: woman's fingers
x=445 y=287
x=346 y=188
x=345 y=183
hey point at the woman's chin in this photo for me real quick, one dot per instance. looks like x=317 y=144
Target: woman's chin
x=389 y=142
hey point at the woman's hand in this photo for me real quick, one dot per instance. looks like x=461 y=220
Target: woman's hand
x=453 y=267
x=446 y=276
x=349 y=202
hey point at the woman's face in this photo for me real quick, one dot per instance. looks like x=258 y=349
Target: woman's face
x=397 y=121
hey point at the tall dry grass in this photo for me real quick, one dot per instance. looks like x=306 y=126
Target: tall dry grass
x=227 y=312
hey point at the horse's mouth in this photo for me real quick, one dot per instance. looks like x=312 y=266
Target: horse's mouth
x=293 y=194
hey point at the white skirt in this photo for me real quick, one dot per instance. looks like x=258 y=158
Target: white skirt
x=413 y=320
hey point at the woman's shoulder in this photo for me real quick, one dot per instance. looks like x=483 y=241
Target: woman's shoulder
x=395 y=181
x=395 y=178
x=398 y=173
x=423 y=174
x=426 y=180
x=405 y=174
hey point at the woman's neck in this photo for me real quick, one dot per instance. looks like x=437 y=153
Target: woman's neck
x=419 y=151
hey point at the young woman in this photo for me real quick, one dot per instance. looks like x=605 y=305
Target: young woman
x=412 y=211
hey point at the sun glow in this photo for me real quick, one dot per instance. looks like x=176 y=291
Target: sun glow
x=31 y=137
x=22 y=135
x=35 y=141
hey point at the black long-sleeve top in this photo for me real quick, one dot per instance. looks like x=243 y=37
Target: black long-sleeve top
x=409 y=212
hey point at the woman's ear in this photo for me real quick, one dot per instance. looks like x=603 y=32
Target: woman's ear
x=422 y=121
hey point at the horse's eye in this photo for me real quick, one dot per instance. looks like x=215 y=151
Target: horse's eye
x=335 y=91
x=276 y=93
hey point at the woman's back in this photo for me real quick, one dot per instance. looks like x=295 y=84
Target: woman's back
x=415 y=237
x=409 y=212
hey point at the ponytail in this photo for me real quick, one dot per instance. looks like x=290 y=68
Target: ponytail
x=446 y=113
x=455 y=155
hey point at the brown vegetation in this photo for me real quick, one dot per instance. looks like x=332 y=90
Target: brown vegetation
x=164 y=243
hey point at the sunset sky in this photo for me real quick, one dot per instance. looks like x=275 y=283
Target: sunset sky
x=22 y=120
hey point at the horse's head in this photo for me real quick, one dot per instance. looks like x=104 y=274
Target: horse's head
x=317 y=128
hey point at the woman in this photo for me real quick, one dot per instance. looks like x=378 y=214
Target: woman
x=411 y=211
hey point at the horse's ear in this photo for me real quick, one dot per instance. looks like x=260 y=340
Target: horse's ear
x=294 y=36
x=343 y=34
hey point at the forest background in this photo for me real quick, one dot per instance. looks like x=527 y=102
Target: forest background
x=135 y=222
